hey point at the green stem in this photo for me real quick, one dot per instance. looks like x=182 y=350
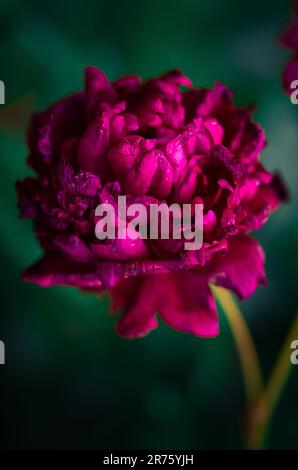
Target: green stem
x=276 y=385
x=246 y=349
x=261 y=401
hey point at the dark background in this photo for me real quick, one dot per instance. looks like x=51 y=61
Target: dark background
x=69 y=381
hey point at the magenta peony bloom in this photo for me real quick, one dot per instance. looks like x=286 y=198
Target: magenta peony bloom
x=290 y=40
x=152 y=142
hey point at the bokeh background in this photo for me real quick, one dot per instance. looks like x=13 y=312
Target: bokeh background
x=69 y=381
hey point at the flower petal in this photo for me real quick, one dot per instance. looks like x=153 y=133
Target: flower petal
x=183 y=301
x=241 y=268
x=49 y=129
x=135 y=297
x=290 y=36
x=290 y=74
x=56 y=270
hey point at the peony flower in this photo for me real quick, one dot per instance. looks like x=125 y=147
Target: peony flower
x=154 y=141
x=290 y=40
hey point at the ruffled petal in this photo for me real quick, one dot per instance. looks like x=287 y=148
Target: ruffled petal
x=183 y=301
x=265 y=199
x=241 y=268
x=49 y=129
x=56 y=270
x=136 y=299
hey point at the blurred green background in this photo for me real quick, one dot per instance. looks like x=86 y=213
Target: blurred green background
x=69 y=381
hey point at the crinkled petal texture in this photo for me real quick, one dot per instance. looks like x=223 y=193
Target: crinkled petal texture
x=160 y=141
